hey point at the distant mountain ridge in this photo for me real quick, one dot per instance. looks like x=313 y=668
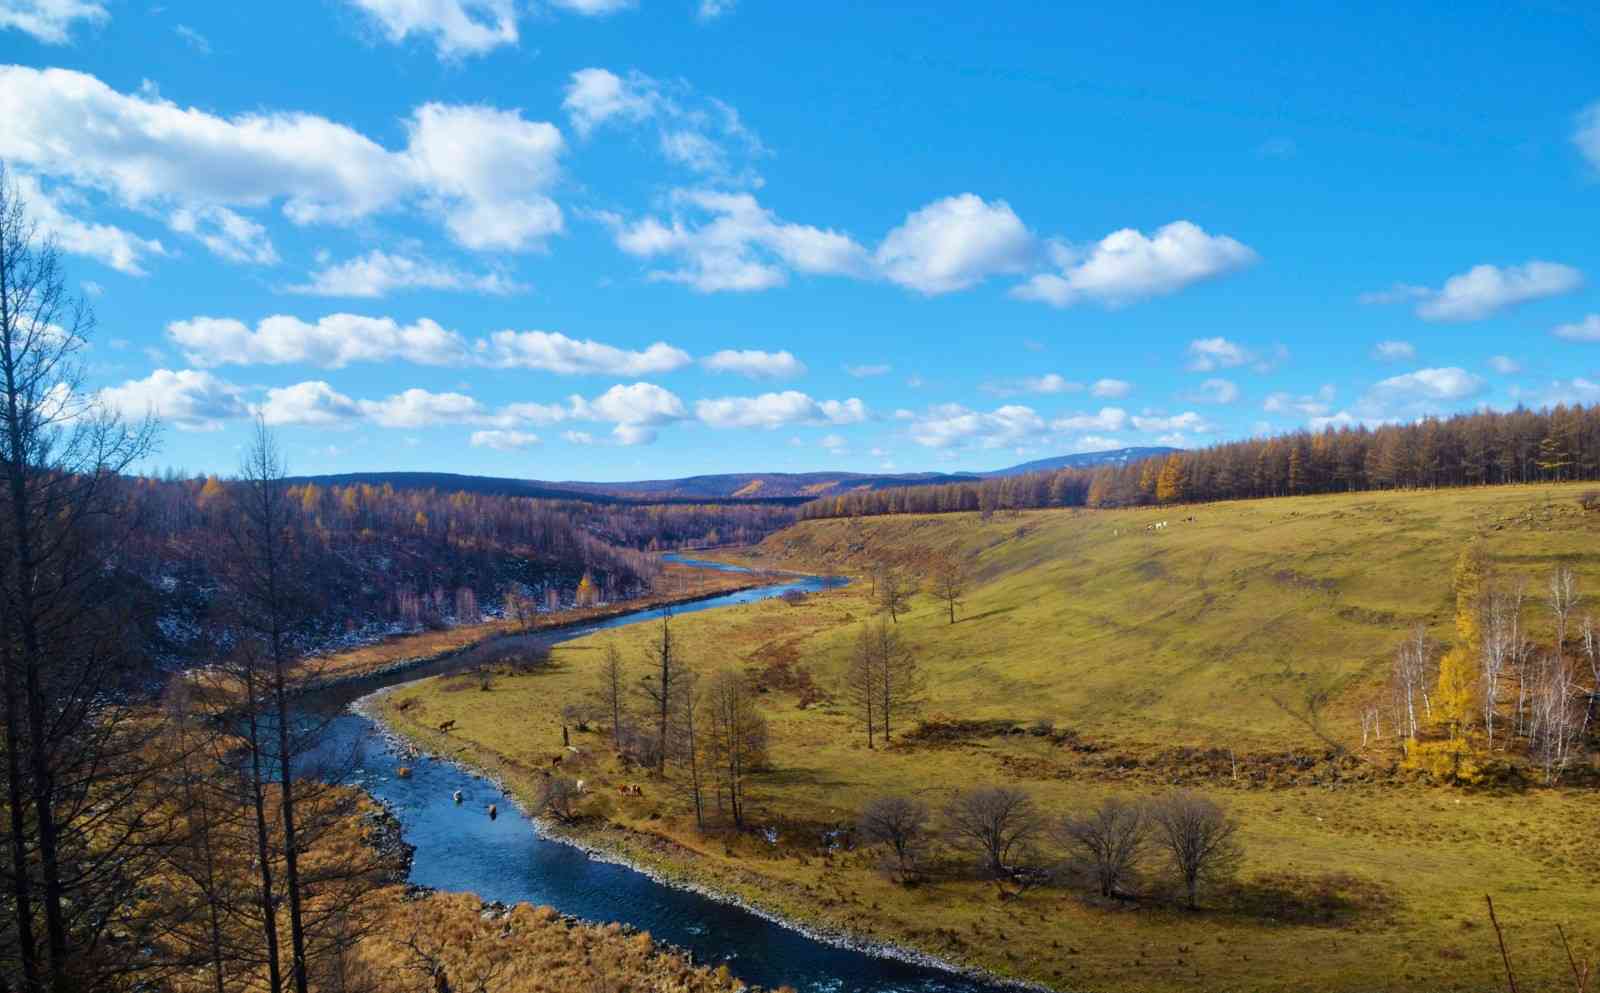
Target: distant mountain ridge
x=739 y=487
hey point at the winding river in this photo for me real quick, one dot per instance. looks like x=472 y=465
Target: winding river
x=459 y=848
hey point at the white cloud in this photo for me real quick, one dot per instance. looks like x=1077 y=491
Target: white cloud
x=869 y=370
x=504 y=441
x=1111 y=389
x=756 y=364
x=1419 y=391
x=1587 y=134
x=636 y=411
x=578 y=437
x=331 y=343
x=775 y=410
x=313 y=402
x=949 y=426
x=488 y=171
x=1049 y=383
x=955 y=243
x=1107 y=419
x=1218 y=391
x=1173 y=425
x=728 y=241
x=1484 y=290
x=419 y=408
x=378 y=273
x=485 y=172
x=50 y=21
x=554 y=352
x=1587 y=329
x=1505 y=365
x=458 y=27
x=186 y=399
x=120 y=249
x=835 y=443
x=596 y=95
x=1208 y=354
x=226 y=233
x=1394 y=351
x=593 y=8
x=699 y=134
x=1310 y=405
x=1126 y=266
x=195 y=39
x=710 y=10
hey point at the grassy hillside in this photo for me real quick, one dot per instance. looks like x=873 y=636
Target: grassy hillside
x=1177 y=656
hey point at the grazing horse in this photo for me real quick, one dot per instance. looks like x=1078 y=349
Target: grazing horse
x=456 y=796
x=446 y=726
x=494 y=812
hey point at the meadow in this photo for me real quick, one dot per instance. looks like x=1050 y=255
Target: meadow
x=1093 y=657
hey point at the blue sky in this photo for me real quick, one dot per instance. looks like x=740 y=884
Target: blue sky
x=603 y=239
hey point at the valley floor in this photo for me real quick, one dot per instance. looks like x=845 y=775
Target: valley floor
x=1162 y=658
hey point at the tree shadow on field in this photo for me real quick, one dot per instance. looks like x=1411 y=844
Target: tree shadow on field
x=987 y=613
x=801 y=776
x=1334 y=899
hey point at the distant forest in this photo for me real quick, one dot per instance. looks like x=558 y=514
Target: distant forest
x=1484 y=448
x=377 y=552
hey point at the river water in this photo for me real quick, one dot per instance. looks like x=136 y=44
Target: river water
x=459 y=848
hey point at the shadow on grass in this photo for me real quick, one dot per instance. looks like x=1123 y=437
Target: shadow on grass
x=987 y=613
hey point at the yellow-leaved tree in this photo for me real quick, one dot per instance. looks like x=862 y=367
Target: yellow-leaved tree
x=1170 y=484
x=1458 y=670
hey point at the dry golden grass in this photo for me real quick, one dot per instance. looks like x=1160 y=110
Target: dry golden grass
x=1141 y=643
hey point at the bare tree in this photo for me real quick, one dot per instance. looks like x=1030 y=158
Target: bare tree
x=737 y=737
x=1200 y=840
x=1412 y=677
x=1563 y=600
x=901 y=683
x=861 y=682
x=611 y=691
x=74 y=752
x=1557 y=719
x=994 y=823
x=1591 y=651
x=1501 y=647
x=689 y=742
x=661 y=688
x=950 y=581
x=1109 y=842
x=901 y=824
x=558 y=796
x=894 y=592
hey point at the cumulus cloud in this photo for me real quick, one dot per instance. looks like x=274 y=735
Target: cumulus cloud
x=379 y=273
x=50 y=21
x=554 y=352
x=419 y=408
x=187 y=399
x=1424 y=385
x=955 y=243
x=1106 y=419
x=1048 y=383
x=332 y=342
x=1483 y=290
x=1173 y=426
x=949 y=426
x=636 y=411
x=118 y=248
x=313 y=402
x=457 y=27
x=756 y=364
x=1128 y=265
x=1207 y=354
x=1587 y=329
x=1505 y=365
x=1111 y=389
x=697 y=133
x=1309 y=405
x=1394 y=351
x=1218 y=391
x=776 y=410
x=504 y=441
x=728 y=241
x=484 y=172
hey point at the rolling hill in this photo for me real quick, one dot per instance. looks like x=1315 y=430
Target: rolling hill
x=739 y=487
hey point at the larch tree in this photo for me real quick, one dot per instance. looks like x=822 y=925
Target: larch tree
x=611 y=691
x=1457 y=697
x=901 y=682
x=895 y=589
x=950 y=580
x=1170 y=481
x=75 y=755
x=661 y=688
x=861 y=682
x=738 y=736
